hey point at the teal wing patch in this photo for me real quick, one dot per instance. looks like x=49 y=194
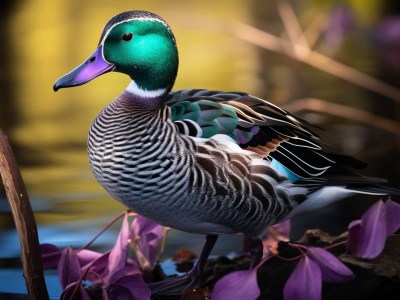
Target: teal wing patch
x=204 y=118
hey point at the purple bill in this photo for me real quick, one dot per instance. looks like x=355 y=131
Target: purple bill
x=93 y=67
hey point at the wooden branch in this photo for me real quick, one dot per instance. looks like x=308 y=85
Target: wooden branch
x=293 y=29
x=343 y=111
x=313 y=58
x=312 y=31
x=24 y=222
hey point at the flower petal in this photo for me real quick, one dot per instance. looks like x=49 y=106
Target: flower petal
x=237 y=286
x=51 y=255
x=49 y=248
x=333 y=270
x=283 y=229
x=67 y=293
x=97 y=268
x=392 y=217
x=129 y=287
x=68 y=269
x=87 y=256
x=119 y=253
x=305 y=282
x=146 y=236
x=353 y=239
x=123 y=272
x=373 y=231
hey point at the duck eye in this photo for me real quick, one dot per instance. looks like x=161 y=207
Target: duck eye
x=127 y=36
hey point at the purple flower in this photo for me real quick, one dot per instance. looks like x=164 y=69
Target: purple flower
x=51 y=256
x=243 y=284
x=341 y=19
x=126 y=283
x=367 y=236
x=68 y=261
x=69 y=273
x=123 y=279
x=112 y=274
x=237 y=285
x=146 y=239
x=332 y=269
x=315 y=266
x=69 y=292
x=119 y=253
x=304 y=282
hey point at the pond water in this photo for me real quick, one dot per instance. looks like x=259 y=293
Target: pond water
x=48 y=130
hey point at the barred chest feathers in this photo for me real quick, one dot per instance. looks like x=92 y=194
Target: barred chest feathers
x=138 y=156
x=135 y=154
x=142 y=161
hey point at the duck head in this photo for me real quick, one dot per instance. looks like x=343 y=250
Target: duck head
x=137 y=43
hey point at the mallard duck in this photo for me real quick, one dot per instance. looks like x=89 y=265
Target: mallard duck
x=202 y=161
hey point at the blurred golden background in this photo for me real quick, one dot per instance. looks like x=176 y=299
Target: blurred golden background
x=221 y=48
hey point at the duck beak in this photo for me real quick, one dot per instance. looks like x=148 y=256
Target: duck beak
x=93 y=67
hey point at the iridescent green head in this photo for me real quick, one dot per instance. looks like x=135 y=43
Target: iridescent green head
x=137 y=43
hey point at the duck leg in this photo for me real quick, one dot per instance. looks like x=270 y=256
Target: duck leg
x=176 y=285
x=256 y=252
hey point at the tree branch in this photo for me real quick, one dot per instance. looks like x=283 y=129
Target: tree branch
x=24 y=222
x=343 y=111
x=313 y=58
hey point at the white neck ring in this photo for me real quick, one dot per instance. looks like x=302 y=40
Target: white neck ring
x=134 y=89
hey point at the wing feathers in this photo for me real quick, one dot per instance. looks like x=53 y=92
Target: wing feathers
x=256 y=125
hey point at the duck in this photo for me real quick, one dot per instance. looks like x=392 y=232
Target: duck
x=203 y=161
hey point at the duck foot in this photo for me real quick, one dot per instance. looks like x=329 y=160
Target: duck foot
x=194 y=278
